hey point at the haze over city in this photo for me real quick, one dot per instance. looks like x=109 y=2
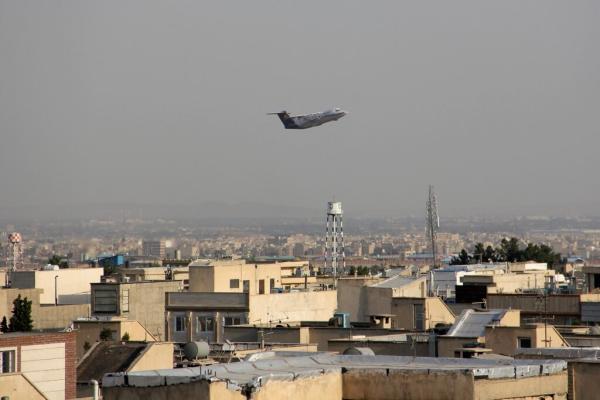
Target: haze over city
x=118 y=105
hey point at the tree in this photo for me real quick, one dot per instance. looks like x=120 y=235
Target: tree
x=54 y=260
x=125 y=337
x=3 y=325
x=106 y=334
x=21 y=319
x=463 y=258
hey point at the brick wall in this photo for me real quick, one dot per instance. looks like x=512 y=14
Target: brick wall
x=68 y=338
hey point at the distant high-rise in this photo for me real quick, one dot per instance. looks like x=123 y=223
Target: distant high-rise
x=432 y=223
x=154 y=248
x=334 y=239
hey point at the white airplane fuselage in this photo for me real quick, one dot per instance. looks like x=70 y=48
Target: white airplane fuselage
x=310 y=120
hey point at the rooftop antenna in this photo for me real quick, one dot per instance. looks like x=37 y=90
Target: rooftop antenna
x=432 y=223
x=15 y=253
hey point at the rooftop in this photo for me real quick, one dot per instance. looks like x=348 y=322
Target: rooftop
x=472 y=323
x=249 y=375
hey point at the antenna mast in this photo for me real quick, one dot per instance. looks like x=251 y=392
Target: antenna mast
x=432 y=223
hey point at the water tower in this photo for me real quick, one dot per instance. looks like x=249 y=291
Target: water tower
x=15 y=252
x=334 y=239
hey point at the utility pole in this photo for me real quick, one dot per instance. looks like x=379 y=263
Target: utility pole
x=432 y=222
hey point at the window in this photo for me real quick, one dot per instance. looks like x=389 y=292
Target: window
x=234 y=283
x=246 y=286
x=233 y=321
x=104 y=300
x=524 y=342
x=261 y=286
x=7 y=361
x=125 y=300
x=179 y=323
x=205 y=324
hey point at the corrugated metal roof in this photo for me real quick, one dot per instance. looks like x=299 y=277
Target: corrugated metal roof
x=397 y=282
x=471 y=323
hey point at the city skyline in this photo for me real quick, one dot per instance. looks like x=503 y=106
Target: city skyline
x=495 y=105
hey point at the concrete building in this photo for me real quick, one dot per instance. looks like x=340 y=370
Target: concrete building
x=89 y=329
x=34 y=363
x=44 y=316
x=500 y=331
x=203 y=316
x=240 y=277
x=348 y=377
x=154 y=248
x=140 y=301
x=63 y=286
x=561 y=309
x=109 y=356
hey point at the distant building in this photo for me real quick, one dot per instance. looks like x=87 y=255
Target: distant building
x=154 y=248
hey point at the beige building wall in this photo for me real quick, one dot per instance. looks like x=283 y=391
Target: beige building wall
x=17 y=387
x=89 y=332
x=505 y=340
x=140 y=301
x=447 y=345
x=292 y=307
x=8 y=295
x=583 y=380
x=61 y=316
x=72 y=285
x=352 y=297
x=158 y=355
x=230 y=277
x=409 y=311
x=325 y=386
x=44 y=366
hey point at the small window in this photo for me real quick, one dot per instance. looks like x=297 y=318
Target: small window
x=205 y=324
x=234 y=283
x=524 y=342
x=246 y=286
x=179 y=323
x=125 y=300
x=7 y=361
x=233 y=321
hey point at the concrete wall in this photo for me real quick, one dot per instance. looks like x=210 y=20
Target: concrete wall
x=216 y=276
x=201 y=390
x=7 y=296
x=434 y=311
x=144 y=302
x=18 y=387
x=89 y=332
x=295 y=306
x=584 y=383
x=325 y=386
x=505 y=340
x=381 y=348
x=376 y=384
x=545 y=387
x=532 y=304
x=447 y=345
x=352 y=297
x=158 y=355
x=73 y=284
x=61 y=316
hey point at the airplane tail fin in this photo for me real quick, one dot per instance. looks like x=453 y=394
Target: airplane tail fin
x=285 y=118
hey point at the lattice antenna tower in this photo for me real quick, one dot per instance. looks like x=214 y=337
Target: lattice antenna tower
x=335 y=256
x=15 y=254
x=432 y=225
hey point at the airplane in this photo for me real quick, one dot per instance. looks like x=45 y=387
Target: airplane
x=309 y=120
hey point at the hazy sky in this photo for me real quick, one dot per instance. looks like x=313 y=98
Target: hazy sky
x=495 y=103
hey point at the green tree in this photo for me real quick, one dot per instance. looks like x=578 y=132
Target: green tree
x=54 y=260
x=125 y=337
x=3 y=325
x=105 y=334
x=463 y=258
x=21 y=319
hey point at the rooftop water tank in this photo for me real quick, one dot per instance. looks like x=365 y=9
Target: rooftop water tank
x=194 y=350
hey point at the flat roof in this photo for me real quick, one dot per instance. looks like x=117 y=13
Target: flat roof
x=249 y=375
